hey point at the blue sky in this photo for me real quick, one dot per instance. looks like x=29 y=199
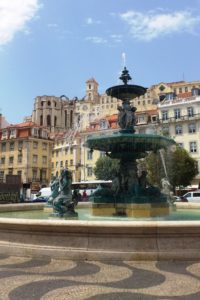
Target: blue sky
x=51 y=47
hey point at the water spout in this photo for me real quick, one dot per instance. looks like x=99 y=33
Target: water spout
x=163 y=162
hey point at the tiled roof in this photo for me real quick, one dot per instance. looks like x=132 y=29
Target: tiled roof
x=23 y=125
x=185 y=95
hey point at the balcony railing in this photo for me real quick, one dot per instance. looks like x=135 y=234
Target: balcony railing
x=182 y=118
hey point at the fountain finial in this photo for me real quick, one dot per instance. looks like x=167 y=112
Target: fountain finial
x=125 y=77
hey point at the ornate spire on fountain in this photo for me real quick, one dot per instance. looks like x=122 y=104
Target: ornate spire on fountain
x=126 y=92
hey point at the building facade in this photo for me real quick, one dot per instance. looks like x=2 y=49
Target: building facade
x=179 y=118
x=66 y=154
x=94 y=112
x=26 y=150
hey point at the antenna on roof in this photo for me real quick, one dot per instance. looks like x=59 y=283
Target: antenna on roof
x=183 y=76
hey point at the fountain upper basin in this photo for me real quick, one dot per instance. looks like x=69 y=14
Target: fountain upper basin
x=134 y=144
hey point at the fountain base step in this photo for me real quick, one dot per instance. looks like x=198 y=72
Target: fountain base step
x=145 y=210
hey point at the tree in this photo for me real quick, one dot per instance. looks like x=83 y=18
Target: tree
x=181 y=167
x=106 y=168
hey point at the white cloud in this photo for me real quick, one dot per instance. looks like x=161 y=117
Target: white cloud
x=96 y=39
x=152 y=24
x=116 y=38
x=14 y=15
x=90 y=21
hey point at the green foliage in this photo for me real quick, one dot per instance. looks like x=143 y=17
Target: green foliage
x=181 y=167
x=106 y=168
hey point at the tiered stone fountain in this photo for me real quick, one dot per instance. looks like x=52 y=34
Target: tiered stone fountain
x=130 y=194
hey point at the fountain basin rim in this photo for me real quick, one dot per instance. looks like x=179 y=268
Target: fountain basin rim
x=77 y=224
x=97 y=240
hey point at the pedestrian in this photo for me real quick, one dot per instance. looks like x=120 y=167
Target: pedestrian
x=84 y=196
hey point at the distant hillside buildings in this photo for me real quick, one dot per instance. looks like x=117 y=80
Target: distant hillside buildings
x=53 y=137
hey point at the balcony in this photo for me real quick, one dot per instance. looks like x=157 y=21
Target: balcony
x=181 y=119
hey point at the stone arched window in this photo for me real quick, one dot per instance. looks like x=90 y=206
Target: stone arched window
x=48 y=120
x=55 y=121
x=71 y=118
x=49 y=103
x=65 y=118
x=41 y=120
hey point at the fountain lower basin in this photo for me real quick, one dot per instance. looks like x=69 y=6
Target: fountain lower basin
x=101 y=239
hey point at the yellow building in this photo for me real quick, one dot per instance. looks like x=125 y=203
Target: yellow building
x=66 y=154
x=26 y=151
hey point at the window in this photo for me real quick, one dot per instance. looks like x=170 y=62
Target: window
x=48 y=120
x=12 y=132
x=66 y=163
x=57 y=153
x=4 y=133
x=19 y=173
x=153 y=119
x=89 y=155
x=1 y=176
x=103 y=124
x=141 y=119
x=193 y=147
x=180 y=90
x=34 y=174
x=44 y=146
x=177 y=113
x=52 y=165
x=61 y=164
x=190 y=111
x=3 y=147
x=44 y=160
x=10 y=171
x=11 y=160
x=35 y=159
x=19 y=158
x=20 y=145
x=178 y=129
x=71 y=150
x=35 y=145
x=35 y=131
x=71 y=162
x=102 y=154
x=164 y=115
x=44 y=174
x=186 y=89
x=56 y=164
x=3 y=160
x=192 y=128
x=89 y=171
x=12 y=145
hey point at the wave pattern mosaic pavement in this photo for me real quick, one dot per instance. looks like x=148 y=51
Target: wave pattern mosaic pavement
x=50 y=279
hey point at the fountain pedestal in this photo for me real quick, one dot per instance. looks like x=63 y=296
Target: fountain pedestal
x=134 y=210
